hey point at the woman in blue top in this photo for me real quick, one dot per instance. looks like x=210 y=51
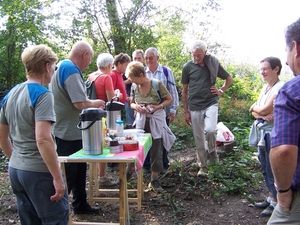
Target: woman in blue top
x=26 y=117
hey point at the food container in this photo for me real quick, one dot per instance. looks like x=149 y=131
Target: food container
x=130 y=145
x=115 y=147
x=133 y=131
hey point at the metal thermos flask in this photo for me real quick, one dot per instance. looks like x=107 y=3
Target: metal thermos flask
x=113 y=110
x=90 y=123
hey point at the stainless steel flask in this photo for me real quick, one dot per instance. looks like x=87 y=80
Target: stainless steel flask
x=90 y=123
x=113 y=110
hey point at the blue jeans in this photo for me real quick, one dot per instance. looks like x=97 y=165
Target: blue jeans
x=33 y=191
x=263 y=156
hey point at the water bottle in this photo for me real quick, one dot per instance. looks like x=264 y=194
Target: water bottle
x=119 y=127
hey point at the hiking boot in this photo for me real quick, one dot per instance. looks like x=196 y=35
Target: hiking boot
x=202 y=172
x=262 y=205
x=155 y=186
x=107 y=183
x=267 y=212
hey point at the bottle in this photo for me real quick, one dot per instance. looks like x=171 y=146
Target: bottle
x=120 y=127
x=104 y=132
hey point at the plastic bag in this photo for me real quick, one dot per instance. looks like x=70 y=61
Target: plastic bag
x=224 y=134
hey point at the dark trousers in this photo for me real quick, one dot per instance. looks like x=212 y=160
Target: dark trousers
x=75 y=172
x=147 y=163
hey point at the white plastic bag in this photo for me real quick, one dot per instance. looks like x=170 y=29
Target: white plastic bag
x=224 y=134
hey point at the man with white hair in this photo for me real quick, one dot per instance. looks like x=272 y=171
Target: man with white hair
x=68 y=88
x=165 y=75
x=200 y=100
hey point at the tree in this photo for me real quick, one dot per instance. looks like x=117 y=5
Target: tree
x=22 y=24
x=114 y=26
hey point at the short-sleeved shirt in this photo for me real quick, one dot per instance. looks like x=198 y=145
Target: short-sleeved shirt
x=286 y=129
x=169 y=82
x=68 y=87
x=151 y=98
x=118 y=83
x=103 y=84
x=22 y=107
x=265 y=95
x=128 y=86
x=198 y=79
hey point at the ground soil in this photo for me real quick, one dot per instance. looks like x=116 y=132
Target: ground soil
x=182 y=202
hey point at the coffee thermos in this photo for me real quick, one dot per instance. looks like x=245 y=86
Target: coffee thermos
x=90 y=123
x=114 y=111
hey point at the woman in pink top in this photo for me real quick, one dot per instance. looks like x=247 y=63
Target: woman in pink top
x=103 y=81
x=104 y=91
x=120 y=63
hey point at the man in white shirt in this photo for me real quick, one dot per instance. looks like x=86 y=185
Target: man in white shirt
x=165 y=75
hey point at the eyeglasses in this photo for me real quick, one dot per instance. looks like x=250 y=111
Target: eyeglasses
x=264 y=69
x=150 y=58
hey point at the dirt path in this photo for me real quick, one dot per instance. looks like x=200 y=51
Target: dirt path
x=184 y=202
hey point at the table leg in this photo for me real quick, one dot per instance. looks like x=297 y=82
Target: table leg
x=92 y=178
x=140 y=192
x=63 y=170
x=124 y=207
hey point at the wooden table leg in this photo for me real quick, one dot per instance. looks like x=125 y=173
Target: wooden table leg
x=63 y=170
x=92 y=178
x=124 y=207
x=140 y=192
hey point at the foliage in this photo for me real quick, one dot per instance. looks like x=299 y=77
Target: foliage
x=170 y=43
x=22 y=23
x=3 y=161
x=235 y=172
x=183 y=132
x=114 y=26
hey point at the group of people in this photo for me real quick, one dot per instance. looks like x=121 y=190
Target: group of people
x=37 y=124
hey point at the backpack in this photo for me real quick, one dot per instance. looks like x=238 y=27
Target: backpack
x=91 y=89
x=167 y=75
x=155 y=86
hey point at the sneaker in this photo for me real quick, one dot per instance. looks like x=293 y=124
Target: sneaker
x=262 y=205
x=267 y=212
x=202 y=172
x=107 y=183
x=87 y=209
x=155 y=186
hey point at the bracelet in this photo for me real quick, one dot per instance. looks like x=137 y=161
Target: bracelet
x=282 y=191
x=220 y=90
x=162 y=106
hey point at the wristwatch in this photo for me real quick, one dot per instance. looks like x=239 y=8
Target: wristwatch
x=281 y=191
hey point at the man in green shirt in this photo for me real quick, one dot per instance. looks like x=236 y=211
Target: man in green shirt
x=200 y=100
